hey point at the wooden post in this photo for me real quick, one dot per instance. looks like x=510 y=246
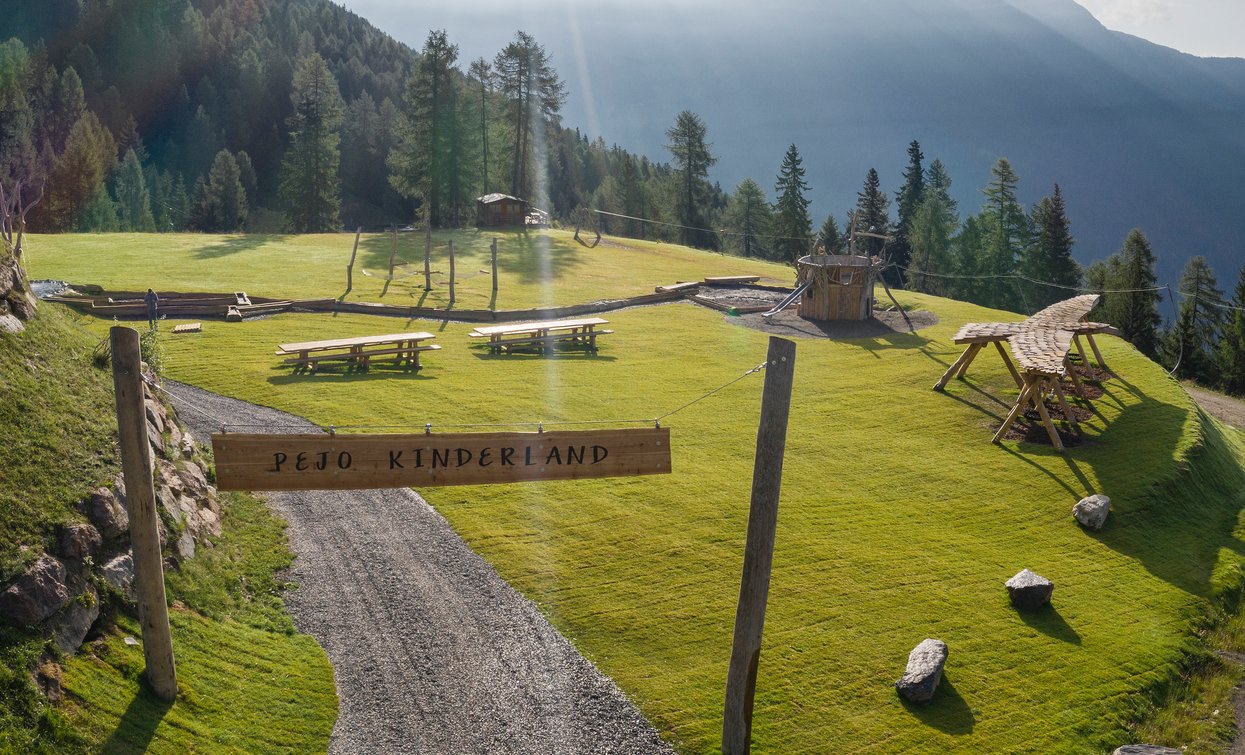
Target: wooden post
x=494 y=268
x=427 y=253
x=393 y=250
x=140 y=496
x=350 y=267
x=451 y=271
x=759 y=551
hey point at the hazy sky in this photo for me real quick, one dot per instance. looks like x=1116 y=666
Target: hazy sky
x=1201 y=27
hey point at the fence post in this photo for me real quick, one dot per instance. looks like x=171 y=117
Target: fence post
x=741 y=677
x=494 y=267
x=451 y=271
x=140 y=497
x=350 y=267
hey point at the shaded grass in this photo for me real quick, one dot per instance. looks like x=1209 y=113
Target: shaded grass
x=899 y=521
x=535 y=268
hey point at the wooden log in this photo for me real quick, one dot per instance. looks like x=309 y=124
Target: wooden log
x=759 y=548
x=1063 y=404
x=1051 y=432
x=427 y=253
x=731 y=280
x=946 y=376
x=353 y=252
x=1097 y=354
x=1076 y=339
x=451 y=272
x=1022 y=401
x=393 y=250
x=973 y=351
x=1008 y=361
x=494 y=250
x=140 y=494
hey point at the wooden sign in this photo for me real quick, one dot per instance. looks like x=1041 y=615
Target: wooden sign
x=354 y=462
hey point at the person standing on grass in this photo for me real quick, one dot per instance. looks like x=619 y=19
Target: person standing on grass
x=153 y=304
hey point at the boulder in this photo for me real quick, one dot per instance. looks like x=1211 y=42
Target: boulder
x=194 y=482
x=185 y=546
x=107 y=512
x=37 y=594
x=924 y=671
x=119 y=572
x=155 y=414
x=1029 y=591
x=70 y=626
x=187 y=447
x=79 y=541
x=1092 y=512
x=11 y=325
x=1145 y=750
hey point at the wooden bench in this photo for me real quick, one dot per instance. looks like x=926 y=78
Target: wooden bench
x=580 y=332
x=358 y=351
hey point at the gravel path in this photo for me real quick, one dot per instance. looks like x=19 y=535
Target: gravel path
x=432 y=651
x=1226 y=409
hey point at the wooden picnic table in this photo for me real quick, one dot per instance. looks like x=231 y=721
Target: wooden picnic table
x=544 y=334
x=359 y=350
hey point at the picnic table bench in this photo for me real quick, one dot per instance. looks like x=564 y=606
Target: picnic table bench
x=358 y=351
x=581 y=332
x=1040 y=347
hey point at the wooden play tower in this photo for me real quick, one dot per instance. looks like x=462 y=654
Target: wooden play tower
x=836 y=286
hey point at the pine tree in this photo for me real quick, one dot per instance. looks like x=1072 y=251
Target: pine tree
x=1232 y=344
x=1191 y=342
x=535 y=95
x=481 y=73
x=250 y=181
x=1134 y=309
x=18 y=158
x=133 y=199
x=220 y=204
x=793 y=228
x=424 y=159
x=76 y=175
x=929 y=233
x=748 y=221
x=907 y=200
x=1007 y=235
x=1049 y=257
x=872 y=216
x=830 y=237
x=310 y=170
x=692 y=160
x=938 y=182
x=99 y=214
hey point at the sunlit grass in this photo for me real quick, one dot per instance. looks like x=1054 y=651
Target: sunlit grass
x=899 y=520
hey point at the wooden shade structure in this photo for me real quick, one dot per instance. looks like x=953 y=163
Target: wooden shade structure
x=841 y=286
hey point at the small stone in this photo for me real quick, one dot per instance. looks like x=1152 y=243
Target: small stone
x=924 y=671
x=119 y=572
x=107 y=512
x=1029 y=591
x=78 y=541
x=131 y=641
x=37 y=594
x=1145 y=750
x=11 y=325
x=70 y=627
x=1092 y=512
x=185 y=546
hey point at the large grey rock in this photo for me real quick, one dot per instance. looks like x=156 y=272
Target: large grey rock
x=1145 y=750
x=1029 y=591
x=70 y=626
x=79 y=541
x=1092 y=512
x=924 y=671
x=11 y=325
x=119 y=572
x=37 y=594
x=107 y=512
x=155 y=414
x=185 y=546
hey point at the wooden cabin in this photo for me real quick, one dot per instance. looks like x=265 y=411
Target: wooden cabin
x=501 y=211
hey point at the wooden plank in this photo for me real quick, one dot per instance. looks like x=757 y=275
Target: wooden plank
x=355 y=462
x=339 y=343
x=188 y=327
x=1007 y=361
x=525 y=327
x=680 y=286
x=730 y=280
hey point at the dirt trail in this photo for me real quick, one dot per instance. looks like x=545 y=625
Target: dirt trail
x=432 y=651
x=1228 y=410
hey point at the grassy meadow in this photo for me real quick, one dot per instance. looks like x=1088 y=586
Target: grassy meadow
x=899 y=520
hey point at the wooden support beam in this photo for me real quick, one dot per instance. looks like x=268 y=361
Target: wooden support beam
x=1039 y=400
x=1007 y=360
x=1030 y=386
x=1080 y=348
x=1076 y=381
x=140 y=496
x=741 y=676
x=946 y=376
x=1063 y=404
x=973 y=351
x=1097 y=354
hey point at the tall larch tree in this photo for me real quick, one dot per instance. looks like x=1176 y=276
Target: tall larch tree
x=692 y=159
x=220 y=204
x=793 y=229
x=1232 y=344
x=830 y=236
x=534 y=93
x=1132 y=301
x=310 y=180
x=872 y=216
x=748 y=221
x=1190 y=343
x=480 y=73
x=1049 y=257
x=426 y=155
x=1008 y=233
x=907 y=200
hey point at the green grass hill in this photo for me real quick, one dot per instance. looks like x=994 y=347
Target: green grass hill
x=247 y=681
x=899 y=520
